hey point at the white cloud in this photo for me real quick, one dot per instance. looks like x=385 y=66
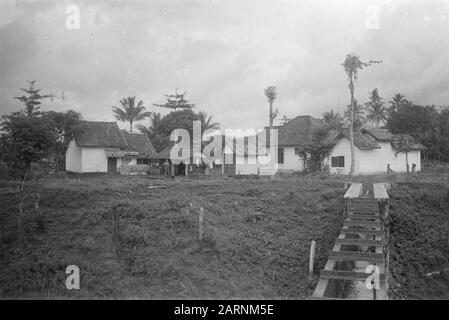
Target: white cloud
x=224 y=53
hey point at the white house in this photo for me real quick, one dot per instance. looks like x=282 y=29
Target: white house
x=291 y=137
x=103 y=147
x=376 y=150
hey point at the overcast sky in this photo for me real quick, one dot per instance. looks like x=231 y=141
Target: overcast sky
x=223 y=53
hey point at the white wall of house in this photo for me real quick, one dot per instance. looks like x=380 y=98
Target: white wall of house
x=342 y=149
x=94 y=160
x=87 y=159
x=73 y=157
x=253 y=164
x=414 y=157
x=372 y=161
x=292 y=162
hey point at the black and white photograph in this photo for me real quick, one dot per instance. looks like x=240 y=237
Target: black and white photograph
x=248 y=152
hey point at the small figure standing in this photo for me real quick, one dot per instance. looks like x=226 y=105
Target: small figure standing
x=166 y=168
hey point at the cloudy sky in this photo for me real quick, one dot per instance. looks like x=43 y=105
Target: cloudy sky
x=223 y=53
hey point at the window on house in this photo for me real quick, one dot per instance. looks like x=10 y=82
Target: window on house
x=281 y=155
x=338 y=162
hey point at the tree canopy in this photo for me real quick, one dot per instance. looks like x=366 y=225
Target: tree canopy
x=176 y=101
x=316 y=150
x=428 y=124
x=32 y=99
x=376 y=111
x=130 y=112
x=333 y=120
x=26 y=139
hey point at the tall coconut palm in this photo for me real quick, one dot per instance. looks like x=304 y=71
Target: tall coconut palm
x=376 y=111
x=130 y=111
x=154 y=128
x=397 y=100
x=352 y=65
x=206 y=122
x=333 y=120
x=358 y=115
x=271 y=94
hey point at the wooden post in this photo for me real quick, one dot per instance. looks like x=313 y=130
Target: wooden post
x=115 y=229
x=312 y=258
x=39 y=217
x=200 y=226
x=186 y=170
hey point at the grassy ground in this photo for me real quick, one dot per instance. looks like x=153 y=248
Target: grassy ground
x=257 y=237
x=419 y=235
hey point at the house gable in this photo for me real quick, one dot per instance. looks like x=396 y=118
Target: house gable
x=139 y=142
x=99 y=134
x=298 y=131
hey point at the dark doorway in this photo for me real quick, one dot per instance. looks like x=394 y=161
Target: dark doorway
x=180 y=169
x=112 y=165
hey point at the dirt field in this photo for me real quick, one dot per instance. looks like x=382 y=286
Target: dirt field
x=419 y=236
x=257 y=238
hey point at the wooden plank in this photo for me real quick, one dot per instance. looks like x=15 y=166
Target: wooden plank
x=361 y=223
x=363 y=216
x=200 y=224
x=359 y=242
x=363 y=211
x=353 y=191
x=321 y=286
x=362 y=231
x=364 y=200
x=311 y=258
x=356 y=256
x=347 y=275
x=380 y=192
x=364 y=207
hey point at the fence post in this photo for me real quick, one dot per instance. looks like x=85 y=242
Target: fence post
x=312 y=258
x=115 y=229
x=200 y=226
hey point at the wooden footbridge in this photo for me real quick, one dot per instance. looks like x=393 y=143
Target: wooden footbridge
x=359 y=250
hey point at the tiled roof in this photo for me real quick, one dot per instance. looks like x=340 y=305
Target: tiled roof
x=165 y=153
x=382 y=135
x=412 y=143
x=363 y=141
x=99 y=134
x=139 y=142
x=298 y=131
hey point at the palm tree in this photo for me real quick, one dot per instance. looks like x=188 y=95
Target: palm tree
x=154 y=128
x=351 y=65
x=206 y=122
x=130 y=112
x=396 y=102
x=376 y=112
x=333 y=119
x=358 y=115
x=271 y=94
